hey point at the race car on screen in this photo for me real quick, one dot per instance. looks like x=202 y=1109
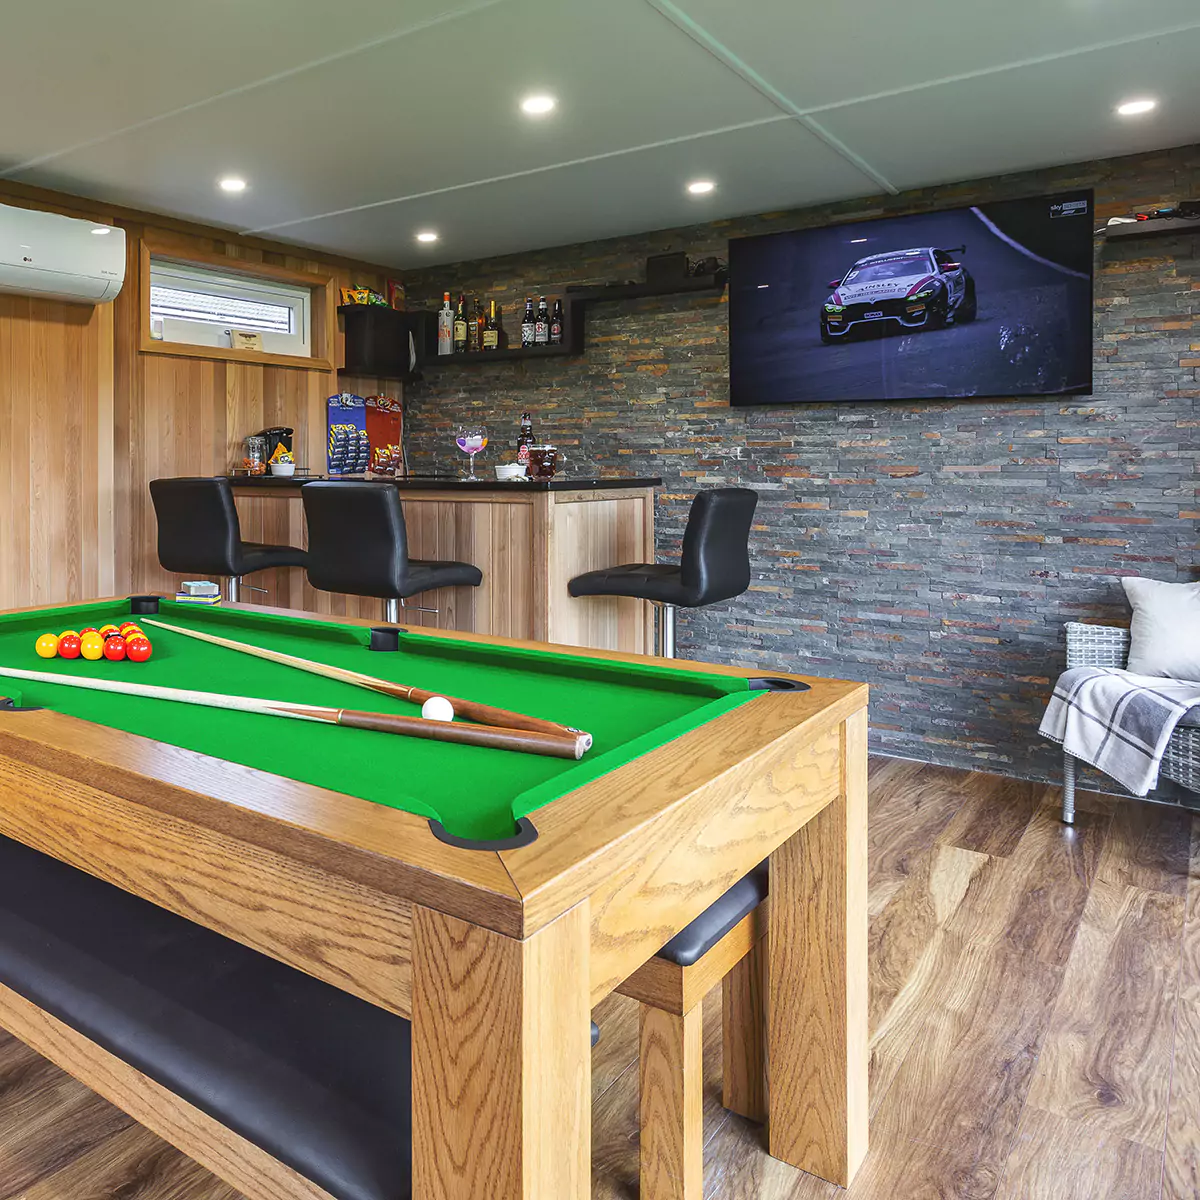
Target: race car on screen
x=923 y=288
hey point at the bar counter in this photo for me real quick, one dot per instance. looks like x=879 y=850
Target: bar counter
x=528 y=538
x=455 y=483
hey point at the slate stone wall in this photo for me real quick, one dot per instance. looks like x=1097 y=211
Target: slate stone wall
x=933 y=550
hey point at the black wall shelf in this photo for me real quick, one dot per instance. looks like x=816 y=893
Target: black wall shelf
x=575 y=301
x=508 y=354
x=640 y=291
x=1155 y=227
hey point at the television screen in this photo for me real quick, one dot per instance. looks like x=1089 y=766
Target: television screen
x=994 y=300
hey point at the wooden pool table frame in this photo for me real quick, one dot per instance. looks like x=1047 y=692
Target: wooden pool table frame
x=496 y=956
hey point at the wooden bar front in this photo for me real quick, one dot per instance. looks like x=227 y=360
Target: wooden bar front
x=528 y=544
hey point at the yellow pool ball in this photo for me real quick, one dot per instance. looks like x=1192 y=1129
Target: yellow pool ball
x=46 y=646
x=105 y=630
x=68 y=633
x=91 y=646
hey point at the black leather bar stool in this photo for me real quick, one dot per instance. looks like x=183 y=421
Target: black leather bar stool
x=714 y=565
x=358 y=544
x=199 y=534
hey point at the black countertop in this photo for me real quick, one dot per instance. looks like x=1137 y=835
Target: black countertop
x=453 y=483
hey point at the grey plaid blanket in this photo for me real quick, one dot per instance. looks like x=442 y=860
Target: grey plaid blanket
x=1117 y=721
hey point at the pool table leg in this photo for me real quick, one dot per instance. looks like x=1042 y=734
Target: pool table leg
x=817 y=981
x=502 y=1065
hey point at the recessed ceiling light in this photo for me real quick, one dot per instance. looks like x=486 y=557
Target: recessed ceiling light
x=538 y=105
x=857 y=241
x=101 y=230
x=701 y=187
x=427 y=235
x=231 y=184
x=1135 y=108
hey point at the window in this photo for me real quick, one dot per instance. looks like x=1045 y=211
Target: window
x=200 y=306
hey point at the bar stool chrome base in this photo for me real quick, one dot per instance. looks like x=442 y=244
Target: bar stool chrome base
x=391 y=610
x=664 y=630
x=233 y=588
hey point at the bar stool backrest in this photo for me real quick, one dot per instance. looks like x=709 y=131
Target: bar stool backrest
x=357 y=540
x=715 y=562
x=198 y=529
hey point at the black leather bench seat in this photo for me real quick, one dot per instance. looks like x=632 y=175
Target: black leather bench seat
x=314 y=1076
x=694 y=941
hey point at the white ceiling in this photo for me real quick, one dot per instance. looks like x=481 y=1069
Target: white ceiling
x=358 y=123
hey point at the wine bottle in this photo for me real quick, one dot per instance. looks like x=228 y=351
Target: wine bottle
x=445 y=326
x=527 y=323
x=475 y=325
x=460 y=325
x=556 y=324
x=541 y=326
x=491 y=331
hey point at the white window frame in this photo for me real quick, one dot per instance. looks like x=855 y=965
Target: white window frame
x=185 y=276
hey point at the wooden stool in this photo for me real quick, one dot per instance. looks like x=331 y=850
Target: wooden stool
x=725 y=944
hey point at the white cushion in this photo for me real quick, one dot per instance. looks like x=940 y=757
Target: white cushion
x=1164 y=635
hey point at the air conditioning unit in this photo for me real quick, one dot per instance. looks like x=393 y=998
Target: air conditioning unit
x=60 y=258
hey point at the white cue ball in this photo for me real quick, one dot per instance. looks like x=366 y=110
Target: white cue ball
x=437 y=708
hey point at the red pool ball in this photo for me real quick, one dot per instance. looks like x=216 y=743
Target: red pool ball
x=88 y=629
x=68 y=645
x=114 y=648
x=138 y=649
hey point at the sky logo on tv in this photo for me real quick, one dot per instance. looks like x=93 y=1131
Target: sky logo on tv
x=1069 y=208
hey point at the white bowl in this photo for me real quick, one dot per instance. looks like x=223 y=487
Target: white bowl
x=510 y=471
x=283 y=468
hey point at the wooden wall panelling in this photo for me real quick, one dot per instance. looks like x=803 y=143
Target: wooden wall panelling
x=55 y=399
x=127 y=403
x=199 y=411
x=87 y=419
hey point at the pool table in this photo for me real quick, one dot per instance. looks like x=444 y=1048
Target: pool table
x=473 y=889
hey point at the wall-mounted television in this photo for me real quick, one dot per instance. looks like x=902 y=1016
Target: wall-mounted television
x=992 y=300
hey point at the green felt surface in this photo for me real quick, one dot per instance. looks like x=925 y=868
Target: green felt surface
x=475 y=792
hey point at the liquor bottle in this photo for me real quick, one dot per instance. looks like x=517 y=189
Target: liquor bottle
x=491 y=331
x=556 y=324
x=501 y=332
x=446 y=326
x=460 y=325
x=526 y=438
x=475 y=324
x=527 y=323
x=541 y=326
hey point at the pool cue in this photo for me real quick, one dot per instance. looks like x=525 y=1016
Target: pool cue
x=483 y=713
x=526 y=740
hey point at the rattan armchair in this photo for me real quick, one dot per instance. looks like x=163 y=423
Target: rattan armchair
x=1108 y=646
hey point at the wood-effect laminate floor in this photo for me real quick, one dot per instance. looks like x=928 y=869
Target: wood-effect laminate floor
x=1035 y=1024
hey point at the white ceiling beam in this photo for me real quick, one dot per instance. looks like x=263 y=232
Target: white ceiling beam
x=465 y=10
x=1035 y=61
x=558 y=166
x=768 y=90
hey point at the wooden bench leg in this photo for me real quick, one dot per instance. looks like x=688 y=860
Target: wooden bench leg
x=744 y=1079
x=671 y=1089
